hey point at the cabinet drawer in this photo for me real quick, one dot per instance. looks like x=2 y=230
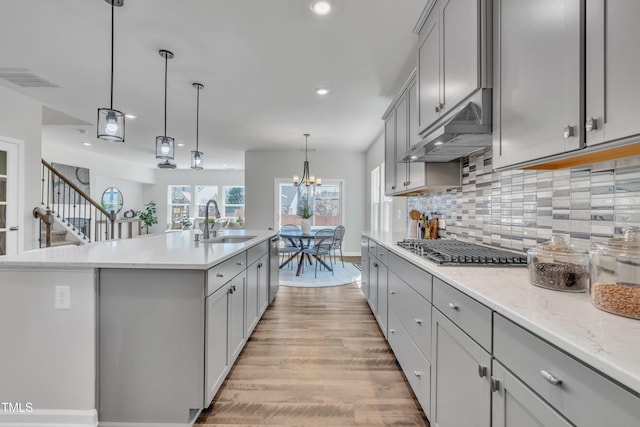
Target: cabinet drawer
x=225 y=271
x=254 y=253
x=471 y=316
x=416 y=368
x=414 y=276
x=372 y=246
x=381 y=253
x=579 y=393
x=413 y=312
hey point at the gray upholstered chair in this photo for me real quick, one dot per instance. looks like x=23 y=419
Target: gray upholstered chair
x=338 y=237
x=287 y=247
x=321 y=248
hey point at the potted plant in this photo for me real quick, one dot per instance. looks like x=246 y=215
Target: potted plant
x=305 y=213
x=186 y=223
x=148 y=215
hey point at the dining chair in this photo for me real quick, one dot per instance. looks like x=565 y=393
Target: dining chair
x=338 y=237
x=288 y=246
x=321 y=248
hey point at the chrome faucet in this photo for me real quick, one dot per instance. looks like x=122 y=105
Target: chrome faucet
x=216 y=213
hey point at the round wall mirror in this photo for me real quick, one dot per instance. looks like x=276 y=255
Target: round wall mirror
x=112 y=200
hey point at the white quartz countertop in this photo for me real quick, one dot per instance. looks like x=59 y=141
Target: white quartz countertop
x=174 y=250
x=607 y=342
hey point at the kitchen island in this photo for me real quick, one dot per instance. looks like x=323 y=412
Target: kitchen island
x=120 y=332
x=499 y=340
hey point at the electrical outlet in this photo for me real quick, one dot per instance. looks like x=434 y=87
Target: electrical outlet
x=63 y=297
x=442 y=224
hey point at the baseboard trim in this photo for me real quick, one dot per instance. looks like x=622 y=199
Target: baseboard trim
x=50 y=418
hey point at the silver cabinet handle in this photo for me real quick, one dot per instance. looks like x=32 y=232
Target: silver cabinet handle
x=230 y=290
x=417 y=373
x=438 y=107
x=375 y=264
x=418 y=321
x=550 y=378
x=14 y=228
x=591 y=124
x=568 y=131
x=239 y=263
x=453 y=306
x=234 y=288
x=393 y=331
x=219 y=275
x=393 y=187
x=482 y=371
x=495 y=384
x=392 y=292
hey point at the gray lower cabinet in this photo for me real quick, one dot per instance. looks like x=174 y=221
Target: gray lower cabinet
x=364 y=264
x=373 y=284
x=257 y=292
x=378 y=284
x=460 y=382
x=216 y=341
x=237 y=330
x=382 y=313
x=516 y=405
x=540 y=80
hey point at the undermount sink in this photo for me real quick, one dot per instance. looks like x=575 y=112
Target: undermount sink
x=229 y=239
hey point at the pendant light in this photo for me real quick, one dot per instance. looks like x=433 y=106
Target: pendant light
x=110 y=121
x=307 y=179
x=165 y=145
x=196 y=156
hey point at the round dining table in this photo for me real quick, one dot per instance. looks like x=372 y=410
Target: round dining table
x=300 y=241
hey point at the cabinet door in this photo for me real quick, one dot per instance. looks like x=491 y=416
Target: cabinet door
x=460 y=387
x=390 y=154
x=429 y=71
x=613 y=66
x=515 y=405
x=216 y=346
x=364 y=262
x=415 y=171
x=263 y=285
x=236 y=316
x=402 y=141
x=459 y=65
x=373 y=284
x=382 y=313
x=540 y=80
x=253 y=283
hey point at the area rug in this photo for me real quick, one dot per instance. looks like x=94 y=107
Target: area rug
x=342 y=275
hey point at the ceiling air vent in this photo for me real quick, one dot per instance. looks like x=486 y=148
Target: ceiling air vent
x=24 y=77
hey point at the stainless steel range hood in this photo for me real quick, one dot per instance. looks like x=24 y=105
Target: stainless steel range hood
x=460 y=132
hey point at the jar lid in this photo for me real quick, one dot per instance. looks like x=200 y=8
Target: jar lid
x=629 y=242
x=557 y=245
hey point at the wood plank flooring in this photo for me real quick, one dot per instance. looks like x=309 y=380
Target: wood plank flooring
x=317 y=358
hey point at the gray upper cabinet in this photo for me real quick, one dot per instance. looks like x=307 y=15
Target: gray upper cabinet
x=390 y=153
x=539 y=76
x=402 y=140
x=613 y=65
x=454 y=56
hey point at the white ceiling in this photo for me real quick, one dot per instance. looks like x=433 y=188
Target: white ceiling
x=259 y=60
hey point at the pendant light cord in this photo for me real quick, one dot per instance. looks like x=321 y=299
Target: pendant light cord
x=166 y=64
x=113 y=7
x=197 y=115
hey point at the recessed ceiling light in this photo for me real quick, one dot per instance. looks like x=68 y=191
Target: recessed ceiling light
x=180 y=144
x=86 y=143
x=321 y=7
x=322 y=91
x=438 y=143
x=131 y=116
x=414 y=157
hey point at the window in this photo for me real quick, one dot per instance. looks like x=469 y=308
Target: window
x=233 y=201
x=325 y=201
x=381 y=205
x=181 y=203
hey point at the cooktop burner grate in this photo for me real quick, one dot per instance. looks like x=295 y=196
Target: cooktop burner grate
x=456 y=252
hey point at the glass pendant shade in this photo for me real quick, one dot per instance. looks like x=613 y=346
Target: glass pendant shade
x=165 y=147
x=110 y=125
x=196 y=160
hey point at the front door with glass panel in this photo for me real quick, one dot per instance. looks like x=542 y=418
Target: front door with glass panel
x=8 y=198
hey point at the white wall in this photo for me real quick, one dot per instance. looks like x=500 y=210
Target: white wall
x=375 y=157
x=21 y=119
x=262 y=168
x=165 y=177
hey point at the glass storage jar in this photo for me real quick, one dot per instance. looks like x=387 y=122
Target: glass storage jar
x=615 y=274
x=557 y=265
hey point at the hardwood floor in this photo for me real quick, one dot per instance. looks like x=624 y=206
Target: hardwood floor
x=317 y=358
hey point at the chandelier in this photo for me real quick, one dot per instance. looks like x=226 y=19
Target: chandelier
x=306 y=179
x=196 y=156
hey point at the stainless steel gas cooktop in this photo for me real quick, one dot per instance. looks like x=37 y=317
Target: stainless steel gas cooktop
x=456 y=252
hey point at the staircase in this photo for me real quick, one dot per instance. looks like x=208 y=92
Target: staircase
x=67 y=215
